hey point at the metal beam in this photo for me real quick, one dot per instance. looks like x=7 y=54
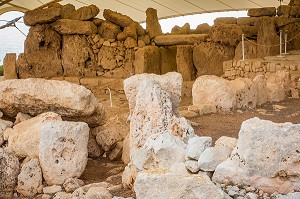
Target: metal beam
x=4 y=2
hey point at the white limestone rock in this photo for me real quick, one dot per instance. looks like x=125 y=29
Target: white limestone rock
x=196 y=145
x=209 y=89
x=71 y=184
x=24 y=138
x=262 y=95
x=171 y=82
x=266 y=157
x=30 y=178
x=63 y=150
x=62 y=195
x=161 y=184
x=52 y=189
x=98 y=192
x=226 y=141
x=9 y=165
x=246 y=93
x=126 y=150
x=35 y=96
x=21 y=117
x=212 y=157
x=276 y=86
x=192 y=166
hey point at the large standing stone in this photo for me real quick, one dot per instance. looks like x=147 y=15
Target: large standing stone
x=9 y=66
x=215 y=91
x=152 y=24
x=168 y=59
x=70 y=27
x=261 y=83
x=36 y=96
x=9 y=165
x=184 y=60
x=63 y=150
x=208 y=58
x=40 y=16
x=147 y=60
x=77 y=55
x=250 y=50
x=246 y=93
x=267 y=38
x=274 y=170
x=24 y=138
x=30 y=178
x=227 y=34
x=160 y=184
x=275 y=88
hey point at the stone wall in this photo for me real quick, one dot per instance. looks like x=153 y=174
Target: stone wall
x=64 y=43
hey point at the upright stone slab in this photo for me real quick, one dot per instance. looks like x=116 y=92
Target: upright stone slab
x=147 y=60
x=168 y=59
x=152 y=23
x=9 y=66
x=184 y=60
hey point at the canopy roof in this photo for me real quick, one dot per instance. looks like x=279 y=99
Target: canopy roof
x=136 y=8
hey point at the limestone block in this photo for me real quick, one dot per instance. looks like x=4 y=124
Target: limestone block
x=202 y=29
x=208 y=58
x=147 y=60
x=270 y=171
x=117 y=18
x=225 y=20
x=130 y=43
x=24 y=95
x=9 y=66
x=167 y=40
x=228 y=34
x=184 y=60
x=262 y=95
x=196 y=145
x=4 y=126
x=160 y=184
x=85 y=13
x=250 y=50
x=249 y=21
x=67 y=10
x=126 y=151
x=284 y=10
x=168 y=59
x=98 y=192
x=228 y=142
x=129 y=31
x=152 y=23
x=30 y=178
x=214 y=90
x=70 y=27
x=249 y=31
x=259 y=12
x=94 y=149
x=71 y=184
x=109 y=30
x=63 y=150
x=21 y=117
x=40 y=16
x=192 y=166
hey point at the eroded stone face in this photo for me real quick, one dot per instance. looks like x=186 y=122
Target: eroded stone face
x=63 y=150
x=266 y=157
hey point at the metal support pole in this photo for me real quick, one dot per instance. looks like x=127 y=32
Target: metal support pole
x=243 y=46
x=280 y=45
x=285 y=44
x=110 y=98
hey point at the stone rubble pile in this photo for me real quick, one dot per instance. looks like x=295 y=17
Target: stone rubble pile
x=42 y=154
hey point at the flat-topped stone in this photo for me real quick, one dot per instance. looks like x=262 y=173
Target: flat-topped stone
x=166 y=40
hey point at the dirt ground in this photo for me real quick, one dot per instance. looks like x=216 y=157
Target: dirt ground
x=213 y=125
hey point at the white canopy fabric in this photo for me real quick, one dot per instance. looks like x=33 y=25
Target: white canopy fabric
x=136 y=8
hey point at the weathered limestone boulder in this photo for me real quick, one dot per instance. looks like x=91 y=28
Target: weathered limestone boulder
x=249 y=31
x=184 y=30
x=294 y=3
x=246 y=93
x=192 y=166
x=247 y=21
x=284 y=10
x=9 y=165
x=109 y=30
x=227 y=142
x=274 y=170
x=9 y=66
x=63 y=150
x=259 y=12
x=208 y=58
x=225 y=20
x=40 y=16
x=129 y=31
x=130 y=42
x=212 y=157
x=214 y=90
x=35 y=96
x=21 y=117
x=67 y=10
x=266 y=37
x=30 y=178
x=77 y=55
x=184 y=60
x=85 y=13
x=170 y=82
x=71 y=184
x=250 y=50
x=275 y=88
x=152 y=23
x=117 y=18
x=71 y=26
x=202 y=29
x=161 y=184
x=108 y=137
x=167 y=40
x=24 y=138
x=98 y=192
x=261 y=83
x=94 y=149
x=147 y=60
x=196 y=145
x=227 y=34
